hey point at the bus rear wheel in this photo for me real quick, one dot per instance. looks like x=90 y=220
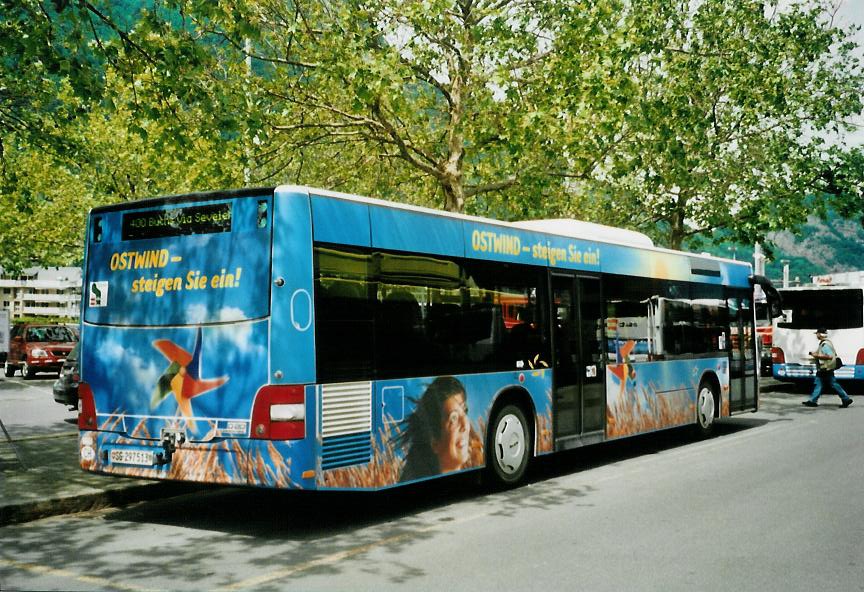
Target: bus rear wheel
x=509 y=446
x=706 y=405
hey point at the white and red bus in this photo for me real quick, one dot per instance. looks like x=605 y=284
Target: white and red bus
x=839 y=309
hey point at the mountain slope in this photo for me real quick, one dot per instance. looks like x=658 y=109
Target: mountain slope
x=819 y=247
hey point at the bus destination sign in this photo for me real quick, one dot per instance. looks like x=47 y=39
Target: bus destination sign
x=205 y=219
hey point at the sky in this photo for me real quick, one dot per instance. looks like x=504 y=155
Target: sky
x=851 y=12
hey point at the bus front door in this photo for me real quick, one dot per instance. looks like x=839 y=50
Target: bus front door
x=579 y=385
x=742 y=359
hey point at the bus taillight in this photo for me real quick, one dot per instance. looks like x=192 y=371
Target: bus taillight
x=87 y=407
x=859 y=359
x=279 y=413
x=777 y=356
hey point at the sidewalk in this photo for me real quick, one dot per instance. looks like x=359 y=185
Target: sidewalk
x=40 y=477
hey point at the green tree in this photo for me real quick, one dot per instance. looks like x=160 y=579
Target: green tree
x=843 y=177
x=676 y=118
x=420 y=98
x=46 y=73
x=724 y=113
x=45 y=196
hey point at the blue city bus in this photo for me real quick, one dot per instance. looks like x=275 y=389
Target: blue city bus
x=298 y=338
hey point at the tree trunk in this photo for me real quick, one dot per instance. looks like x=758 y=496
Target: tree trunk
x=454 y=193
x=676 y=233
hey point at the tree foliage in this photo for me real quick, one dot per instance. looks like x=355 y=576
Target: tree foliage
x=675 y=118
x=45 y=195
x=723 y=116
x=46 y=74
x=419 y=101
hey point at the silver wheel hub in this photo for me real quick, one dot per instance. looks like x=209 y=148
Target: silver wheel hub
x=705 y=407
x=509 y=443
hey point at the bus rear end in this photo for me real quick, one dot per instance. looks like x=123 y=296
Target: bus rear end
x=840 y=310
x=177 y=324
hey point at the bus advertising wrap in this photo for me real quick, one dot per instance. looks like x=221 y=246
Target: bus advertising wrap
x=422 y=427
x=282 y=338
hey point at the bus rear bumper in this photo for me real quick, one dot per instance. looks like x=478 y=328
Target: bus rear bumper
x=243 y=462
x=806 y=372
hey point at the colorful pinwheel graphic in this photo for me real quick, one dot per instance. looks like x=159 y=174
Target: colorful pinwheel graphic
x=182 y=377
x=622 y=369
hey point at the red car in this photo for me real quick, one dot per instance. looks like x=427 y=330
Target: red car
x=38 y=348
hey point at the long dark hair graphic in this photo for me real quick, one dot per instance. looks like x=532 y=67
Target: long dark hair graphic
x=438 y=433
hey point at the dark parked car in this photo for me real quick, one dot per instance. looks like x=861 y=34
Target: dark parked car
x=66 y=385
x=38 y=348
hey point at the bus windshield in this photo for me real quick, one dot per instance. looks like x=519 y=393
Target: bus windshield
x=830 y=309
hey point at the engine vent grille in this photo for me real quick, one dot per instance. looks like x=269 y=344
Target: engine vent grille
x=343 y=451
x=346 y=424
x=346 y=408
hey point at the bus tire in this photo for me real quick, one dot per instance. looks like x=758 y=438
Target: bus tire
x=8 y=370
x=509 y=444
x=706 y=408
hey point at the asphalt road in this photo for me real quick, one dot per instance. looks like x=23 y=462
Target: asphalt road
x=772 y=502
x=27 y=407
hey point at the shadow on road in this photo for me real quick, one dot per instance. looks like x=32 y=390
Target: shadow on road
x=289 y=535
x=301 y=515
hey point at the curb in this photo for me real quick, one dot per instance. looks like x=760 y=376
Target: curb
x=36 y=510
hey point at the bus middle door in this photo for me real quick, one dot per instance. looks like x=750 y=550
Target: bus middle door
x=742 y=353
x=579 y=401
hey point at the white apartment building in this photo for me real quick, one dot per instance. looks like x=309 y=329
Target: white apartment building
x=44 y=292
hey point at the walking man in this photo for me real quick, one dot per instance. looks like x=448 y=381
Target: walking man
x=826 y=361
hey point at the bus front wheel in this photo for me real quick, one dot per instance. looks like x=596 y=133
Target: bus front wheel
x=509 y=446
x=706 y=405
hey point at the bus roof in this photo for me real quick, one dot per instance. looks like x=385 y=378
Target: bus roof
x=566 y=228
x=843 y=278
x=569 y=228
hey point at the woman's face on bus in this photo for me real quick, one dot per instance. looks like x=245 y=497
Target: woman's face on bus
x=452 y=448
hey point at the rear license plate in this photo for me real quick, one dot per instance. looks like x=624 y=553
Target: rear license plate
x=143 y=458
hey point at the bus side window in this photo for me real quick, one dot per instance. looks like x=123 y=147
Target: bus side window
x=399 y=319
x=344 y=329
x=628 y=335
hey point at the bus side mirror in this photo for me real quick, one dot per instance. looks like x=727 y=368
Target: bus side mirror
x=775 y=301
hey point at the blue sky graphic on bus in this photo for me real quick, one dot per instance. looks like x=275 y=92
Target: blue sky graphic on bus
x=182 y=378
x=656 y=395
x=180 y=264
x=188 y=376
x=424 y=427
